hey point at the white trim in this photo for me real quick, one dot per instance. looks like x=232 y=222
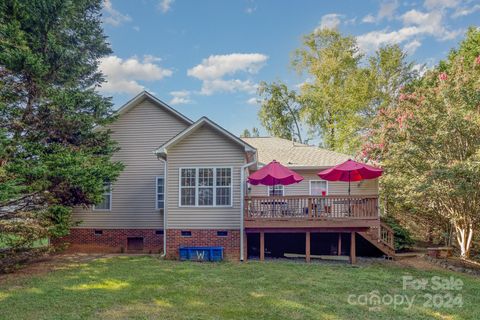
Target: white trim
x=163 y=148
x=310 y=185
x=277 y=185
x=214 y=187
x=243 y=186
x=156 y=192
x=111 y=202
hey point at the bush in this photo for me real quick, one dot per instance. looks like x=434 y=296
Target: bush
x=403 y=238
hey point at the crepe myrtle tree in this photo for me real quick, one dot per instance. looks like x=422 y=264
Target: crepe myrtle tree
x=51 y=158
x=429 y=143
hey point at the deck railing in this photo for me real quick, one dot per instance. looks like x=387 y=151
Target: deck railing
x=311 y=207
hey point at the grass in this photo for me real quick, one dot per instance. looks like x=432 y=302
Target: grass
x=143 y=287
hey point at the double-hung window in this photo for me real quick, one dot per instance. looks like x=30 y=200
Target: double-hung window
x=160 y=193
x=318 y=187
x=205 y=187
x=106 y=203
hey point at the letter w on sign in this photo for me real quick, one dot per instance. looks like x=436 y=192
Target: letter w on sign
x=200 y=255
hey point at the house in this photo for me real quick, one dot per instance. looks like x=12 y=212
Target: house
x=184 y=184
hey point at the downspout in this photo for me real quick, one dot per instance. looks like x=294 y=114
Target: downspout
x=164 y=206
x=242 y=203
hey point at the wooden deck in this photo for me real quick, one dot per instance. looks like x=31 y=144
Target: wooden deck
x=311 y=212
x=307 y=214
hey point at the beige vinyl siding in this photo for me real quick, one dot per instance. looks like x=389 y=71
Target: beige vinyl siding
x=206 y=147
x=139 y=132
x=366 y=187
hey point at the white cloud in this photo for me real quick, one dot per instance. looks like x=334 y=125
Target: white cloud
x=330 y=21
x=123 y=75
x=465 y=11
x=213 y=69
x=412 y=46
x=252 y=7
x=136 y=28
x=441 y=4
x=387 y=9
x=369 y=18
x=165 y=5
x=112 y=16
x=415 y=24
x=180 y=97
x=253 y=101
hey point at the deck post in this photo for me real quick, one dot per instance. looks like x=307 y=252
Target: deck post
x=245 y=246
x=339 y=246
x=307 y=246
x=262 y=246
x=353 y=255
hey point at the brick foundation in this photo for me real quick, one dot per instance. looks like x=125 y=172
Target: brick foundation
x=111 y=240
x=204 y=237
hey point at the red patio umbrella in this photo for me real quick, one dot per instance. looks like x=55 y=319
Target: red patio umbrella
x=273 y=174
x=350 y=171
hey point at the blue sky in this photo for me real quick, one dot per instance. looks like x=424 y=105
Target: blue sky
x=205 y=57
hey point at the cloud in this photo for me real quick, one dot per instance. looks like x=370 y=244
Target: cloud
x=465 y=11
x=252 y=7
x=123 y=75
x=136 y=28
x=180 y=97
x=440 y=4
x=412 y=46
x=369 y=18
x=253 y=101
x=213 y=69
x=330 y=21
x=112 y=16
x=415 y=24
x=386 y=11
x=165 y=5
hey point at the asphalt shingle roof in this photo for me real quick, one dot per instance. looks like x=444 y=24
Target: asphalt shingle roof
x=294 y=154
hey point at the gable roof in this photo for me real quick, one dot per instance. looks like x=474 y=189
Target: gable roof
x=294 y=154
x=146 y=95
x=198 y=124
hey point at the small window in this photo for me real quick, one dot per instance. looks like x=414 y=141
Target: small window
x=159 y=232
x=160 y=193
x=318 y=187
x=222 y=233
x=276 y=191
x=186 y=233
x=98 y=232
x=106 y=203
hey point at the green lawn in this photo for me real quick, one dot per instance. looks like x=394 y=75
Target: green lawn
x=143 y=287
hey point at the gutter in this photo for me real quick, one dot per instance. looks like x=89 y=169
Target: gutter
x=242 y=204
x=164 y=206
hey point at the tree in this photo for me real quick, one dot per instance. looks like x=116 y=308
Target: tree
x=338 y=89
x=246 y=133
x=343 y=93
x=429 y=144
x=280 y=111
x=51 y=158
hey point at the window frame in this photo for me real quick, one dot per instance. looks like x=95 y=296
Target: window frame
x=214 y=187
x=110 y=197
x=156 y=192
x=277 y=185
x=317 y=180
